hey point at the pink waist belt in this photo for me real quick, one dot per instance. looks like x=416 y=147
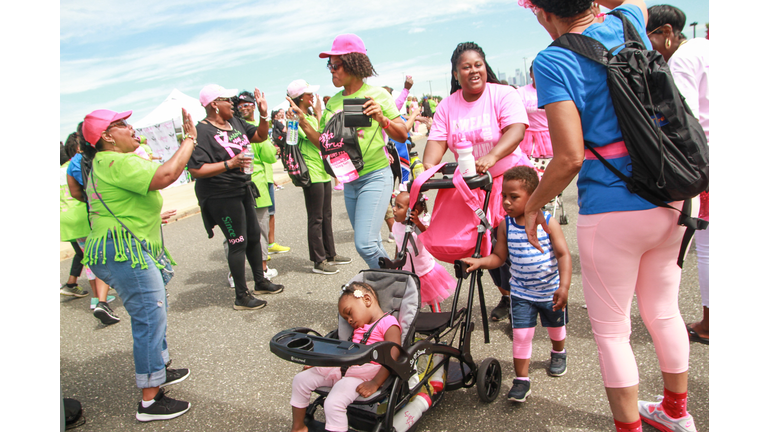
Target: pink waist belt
x=610 y=151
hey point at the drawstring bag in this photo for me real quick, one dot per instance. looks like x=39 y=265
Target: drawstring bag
x=294 y=164
x=456 y=215
x=340 y=149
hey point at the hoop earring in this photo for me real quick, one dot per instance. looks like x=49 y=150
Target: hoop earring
x=667 y=43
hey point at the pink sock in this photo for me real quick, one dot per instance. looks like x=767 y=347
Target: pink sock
x=628 y=427
x=675 y=405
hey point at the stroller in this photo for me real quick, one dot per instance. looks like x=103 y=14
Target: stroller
x=428 y=364
x=540 y=164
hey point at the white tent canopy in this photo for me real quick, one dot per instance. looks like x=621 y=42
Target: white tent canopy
x=171 y=109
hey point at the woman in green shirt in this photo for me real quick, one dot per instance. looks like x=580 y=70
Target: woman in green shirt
x=367 y=197
x=125 y=205
x=317 y=196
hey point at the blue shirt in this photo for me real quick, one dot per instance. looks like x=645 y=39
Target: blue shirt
x=563 y=75
x=533 y=276
x=402 y=150
x=74 y=168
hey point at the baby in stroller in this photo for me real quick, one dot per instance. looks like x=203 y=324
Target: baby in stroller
x=359 y=306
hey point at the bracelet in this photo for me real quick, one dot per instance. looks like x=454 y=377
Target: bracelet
x=264 y=117
x=388 y=122
x=226 y=165
x=194 y=140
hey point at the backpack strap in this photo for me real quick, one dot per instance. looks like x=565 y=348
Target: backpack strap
x=470 y=199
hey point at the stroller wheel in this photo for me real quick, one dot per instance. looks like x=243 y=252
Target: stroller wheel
x=489 y=379
x=563 y=219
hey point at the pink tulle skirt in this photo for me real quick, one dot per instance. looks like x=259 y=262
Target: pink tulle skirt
x=536 y=144
x=437 y=285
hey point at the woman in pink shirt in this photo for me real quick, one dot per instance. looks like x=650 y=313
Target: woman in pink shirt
x=536 y=142
x=492 y=117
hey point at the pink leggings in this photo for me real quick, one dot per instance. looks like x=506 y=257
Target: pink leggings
x=633 y=253
x=343 y=392
x=522 y=340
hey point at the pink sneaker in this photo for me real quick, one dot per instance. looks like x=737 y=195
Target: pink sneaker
x=339 y=186
x=654 y=415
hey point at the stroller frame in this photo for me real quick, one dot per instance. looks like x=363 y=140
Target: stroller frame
x=298 y=345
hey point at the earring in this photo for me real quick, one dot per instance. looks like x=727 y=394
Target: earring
x=217 y=108
x=667 y=43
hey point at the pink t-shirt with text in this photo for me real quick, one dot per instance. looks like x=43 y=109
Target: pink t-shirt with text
x=480 y=122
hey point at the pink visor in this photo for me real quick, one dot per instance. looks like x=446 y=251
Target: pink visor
x=98 y=121
x=345 y=44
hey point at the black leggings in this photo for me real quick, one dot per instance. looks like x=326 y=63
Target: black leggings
x=317 y=200
x=237 y=219
x=77 y=266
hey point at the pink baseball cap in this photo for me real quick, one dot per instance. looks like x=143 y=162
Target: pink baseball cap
x=98 y=121
x=345 y=44
x=212 y=91
x=299 y=87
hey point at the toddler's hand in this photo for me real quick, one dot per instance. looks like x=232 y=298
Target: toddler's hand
x=367 y=388
x=560 y=299
x=473 y=264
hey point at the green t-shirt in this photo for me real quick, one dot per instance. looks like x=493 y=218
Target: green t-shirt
x=268 y=171
x=370 y=138
x=122 y=180
x=311 y=155
x=73 y=214
x=264 y=155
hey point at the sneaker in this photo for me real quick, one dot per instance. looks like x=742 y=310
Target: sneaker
x=74 y=291
x=95 y=301
x=164 y=408
x=325 y=268
x=267 y=287
x=231 y=280
x=391 y=238
x=249 y=302
x=339 y=186
x=173 y=376
x=501 y=311
x=276 y=248
x=105 y=314
x=339 y=260
x=557 y=364
x=269 y=273
x=653 y=414
x=520 y=390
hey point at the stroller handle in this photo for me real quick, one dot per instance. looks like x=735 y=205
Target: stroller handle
x=484 y=181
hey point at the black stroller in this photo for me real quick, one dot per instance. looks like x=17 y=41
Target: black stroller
x=432 y=362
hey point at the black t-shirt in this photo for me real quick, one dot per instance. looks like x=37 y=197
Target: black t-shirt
x=218 y=145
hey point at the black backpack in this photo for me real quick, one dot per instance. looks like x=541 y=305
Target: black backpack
x=336 y=139
x=666 y=143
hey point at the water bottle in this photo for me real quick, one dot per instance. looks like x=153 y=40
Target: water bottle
x=416 y=165
x=292 y=135
x=248 y=153
x=466 y=160
x=437 y=380
x=409 y=414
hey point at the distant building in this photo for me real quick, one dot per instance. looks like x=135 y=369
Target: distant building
x=502 y=76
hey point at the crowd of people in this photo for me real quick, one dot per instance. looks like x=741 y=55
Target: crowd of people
x=111 y=207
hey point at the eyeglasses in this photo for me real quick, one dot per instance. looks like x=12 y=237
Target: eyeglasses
x=333 y=67
x=655 y=30
x=222 y=100
x=119 y=123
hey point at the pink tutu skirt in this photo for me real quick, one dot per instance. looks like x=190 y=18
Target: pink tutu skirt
x=437 y=285
x=536 y=144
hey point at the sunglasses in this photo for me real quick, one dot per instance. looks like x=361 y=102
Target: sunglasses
x=655 y=30
x=333 y=67
x=118 y=124
x=245 y=105
x=222 y=100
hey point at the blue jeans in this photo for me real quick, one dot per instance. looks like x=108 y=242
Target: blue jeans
x=143 y=295
x=366 y=200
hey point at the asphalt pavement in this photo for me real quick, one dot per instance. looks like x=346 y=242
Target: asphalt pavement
x=238 y=384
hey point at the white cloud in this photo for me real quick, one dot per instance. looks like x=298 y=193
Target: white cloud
x=417 y=30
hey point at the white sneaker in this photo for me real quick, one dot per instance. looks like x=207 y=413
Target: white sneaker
x=269 y=273
x=654 y=415
x=231 y=280
x=391 y=238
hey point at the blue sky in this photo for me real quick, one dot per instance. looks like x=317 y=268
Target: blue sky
x=131 y=58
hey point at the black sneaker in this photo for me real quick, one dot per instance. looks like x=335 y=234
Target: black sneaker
x=520 y=390
x=103 y=312
x=173 y=376
x=267 y=287
x=501 y=311
x=249 y=302
x=164 y=408
x=557 y=364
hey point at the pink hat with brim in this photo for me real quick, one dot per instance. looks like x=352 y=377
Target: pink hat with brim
x=345 y=44
x=211 y=92
x=299 y=87
x=98 y=121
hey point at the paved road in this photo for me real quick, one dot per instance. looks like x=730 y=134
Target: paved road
x=238 y=384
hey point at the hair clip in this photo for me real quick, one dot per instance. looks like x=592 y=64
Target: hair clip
x=358 y=293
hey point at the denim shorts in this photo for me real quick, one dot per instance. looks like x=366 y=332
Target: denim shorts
x=524 y=313
x=271 y=197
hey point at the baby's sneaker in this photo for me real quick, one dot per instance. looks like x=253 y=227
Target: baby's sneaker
x=653 y=414
x=520 y=390
x=557 y=364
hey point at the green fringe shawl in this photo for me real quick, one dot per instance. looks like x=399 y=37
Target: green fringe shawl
x=122 y=240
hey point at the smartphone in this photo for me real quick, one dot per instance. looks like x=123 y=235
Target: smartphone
x=353 y=113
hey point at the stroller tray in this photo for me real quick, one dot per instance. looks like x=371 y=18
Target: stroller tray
x=297 y=346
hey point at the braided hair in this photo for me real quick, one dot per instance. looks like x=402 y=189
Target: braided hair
x=350 y=288
x=461 y=49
